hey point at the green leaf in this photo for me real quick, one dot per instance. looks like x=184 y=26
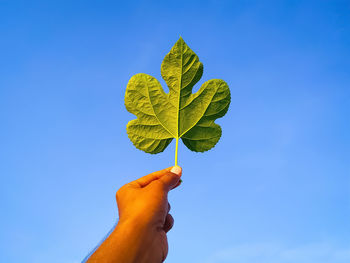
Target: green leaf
x=161 y=116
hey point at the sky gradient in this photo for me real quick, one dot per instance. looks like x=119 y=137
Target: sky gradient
x=275 y=189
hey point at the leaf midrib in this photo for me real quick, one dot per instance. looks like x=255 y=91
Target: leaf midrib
x=179 y=95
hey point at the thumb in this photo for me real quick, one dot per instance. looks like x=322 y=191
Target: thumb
x=170 y=179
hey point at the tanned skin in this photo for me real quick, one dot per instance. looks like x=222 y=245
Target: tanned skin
x=144 y=219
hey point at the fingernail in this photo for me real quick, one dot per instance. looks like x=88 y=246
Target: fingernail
x=176 y=170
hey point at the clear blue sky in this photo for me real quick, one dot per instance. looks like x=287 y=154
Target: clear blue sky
x=275 y=189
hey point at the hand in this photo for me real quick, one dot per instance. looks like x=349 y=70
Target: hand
x=144 y=220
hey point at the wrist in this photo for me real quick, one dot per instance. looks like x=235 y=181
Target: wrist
x=134 y=237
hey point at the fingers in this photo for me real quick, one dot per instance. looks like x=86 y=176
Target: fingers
x=180 y=181
x=169 y=223
x=171 y=178
x=147 y=179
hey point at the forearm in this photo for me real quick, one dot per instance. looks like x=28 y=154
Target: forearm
x=127 y=243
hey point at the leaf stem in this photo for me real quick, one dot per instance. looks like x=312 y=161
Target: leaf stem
x=176 y=150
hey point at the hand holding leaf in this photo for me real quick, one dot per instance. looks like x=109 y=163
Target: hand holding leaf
x=161 y=116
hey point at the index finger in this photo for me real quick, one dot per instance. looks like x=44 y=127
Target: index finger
x=147 y=179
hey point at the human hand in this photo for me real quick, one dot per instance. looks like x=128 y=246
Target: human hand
x=144 y=220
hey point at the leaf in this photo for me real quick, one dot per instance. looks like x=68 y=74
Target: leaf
x=161 y=116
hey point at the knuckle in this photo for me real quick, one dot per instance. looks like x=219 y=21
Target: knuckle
x=119 y=193
x=158 y=184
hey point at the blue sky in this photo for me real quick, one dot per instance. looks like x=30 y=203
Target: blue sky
x=276 y=187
